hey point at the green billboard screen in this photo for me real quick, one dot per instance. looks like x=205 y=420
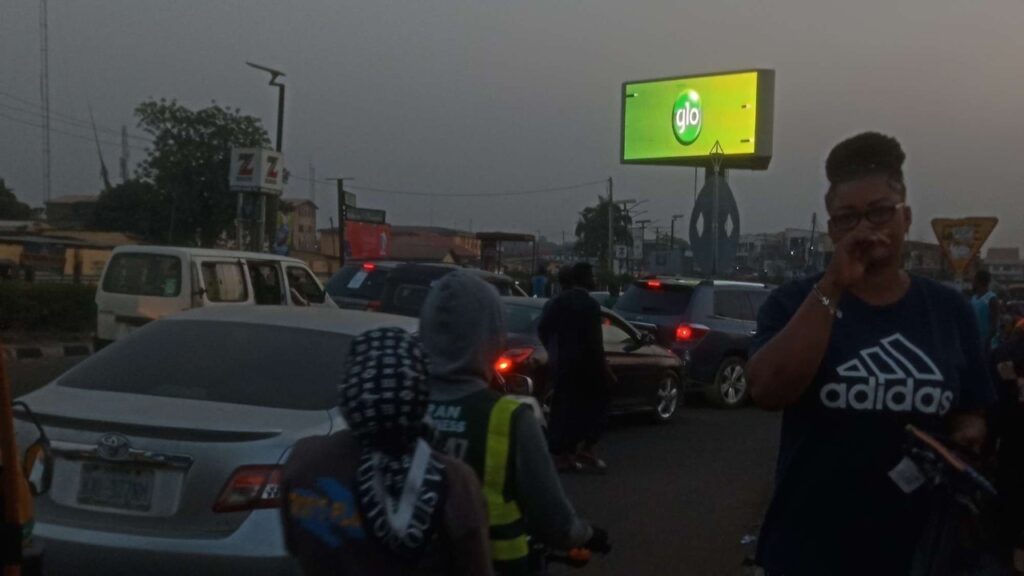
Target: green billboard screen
x=677 y=121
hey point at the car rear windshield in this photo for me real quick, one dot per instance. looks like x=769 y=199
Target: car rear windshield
x=268 y=366
x=662 y=300
x=143 y=275
x=357 y=282
x=522 y=319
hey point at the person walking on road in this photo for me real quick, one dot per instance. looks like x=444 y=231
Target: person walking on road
x=376 y=499
x=986 y=309
x=570 y=330
x=497 y=436
x=851 y=357
x=540 y=282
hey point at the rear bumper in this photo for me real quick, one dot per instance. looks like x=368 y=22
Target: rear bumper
x=256 y=548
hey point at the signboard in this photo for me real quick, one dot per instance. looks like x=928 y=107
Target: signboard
x=621 y=251
x=366 y=215
x=962 y=239
x=365 y=240
x=256 y=170
x=679 y=120
x=43 y=257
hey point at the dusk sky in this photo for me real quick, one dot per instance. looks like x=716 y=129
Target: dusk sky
x=489 y=96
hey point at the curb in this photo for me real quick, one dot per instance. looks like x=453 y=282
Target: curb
x=64 y=350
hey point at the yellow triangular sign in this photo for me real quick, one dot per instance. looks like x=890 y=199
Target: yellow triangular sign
x=961 y=239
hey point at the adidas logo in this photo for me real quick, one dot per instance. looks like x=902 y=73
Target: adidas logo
x=894 y=376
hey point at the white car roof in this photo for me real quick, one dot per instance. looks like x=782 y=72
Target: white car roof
x=351 y=322
x=203 y=253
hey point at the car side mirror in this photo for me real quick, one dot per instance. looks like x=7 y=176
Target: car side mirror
x=38 y=467
x=519 y=385
x=648 y=339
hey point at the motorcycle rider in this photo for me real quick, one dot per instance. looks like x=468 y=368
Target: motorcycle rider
x=463 y=331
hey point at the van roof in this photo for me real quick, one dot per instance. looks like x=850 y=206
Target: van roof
x=202 y=253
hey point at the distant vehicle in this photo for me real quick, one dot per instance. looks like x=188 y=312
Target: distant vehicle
x=360 y=285
x=369 y=286
x=406 y=286
x=168 y=446
x=709 y=322
x=649 y=376
x=143 y=283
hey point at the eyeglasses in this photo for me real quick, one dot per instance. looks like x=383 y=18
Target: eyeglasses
x=876 y=215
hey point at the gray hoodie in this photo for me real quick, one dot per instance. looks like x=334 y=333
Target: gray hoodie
x=463 y=331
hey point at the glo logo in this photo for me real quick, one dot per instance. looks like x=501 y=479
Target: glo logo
x=687 y=117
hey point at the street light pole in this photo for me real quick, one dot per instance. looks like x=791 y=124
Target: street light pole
x=672 y=237
x=610 y=256
x=274 y=75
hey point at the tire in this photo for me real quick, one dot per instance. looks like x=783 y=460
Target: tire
x=668 y=399
x=730 y=389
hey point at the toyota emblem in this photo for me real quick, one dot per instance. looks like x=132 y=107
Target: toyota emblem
x=113 y=447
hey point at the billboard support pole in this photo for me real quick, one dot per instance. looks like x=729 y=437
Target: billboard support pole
x=717 y=154
x=342 y=216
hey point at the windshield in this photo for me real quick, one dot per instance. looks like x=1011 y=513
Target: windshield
x=664 y=301
x=522 y=319
x=357 y=282
x=269 y=366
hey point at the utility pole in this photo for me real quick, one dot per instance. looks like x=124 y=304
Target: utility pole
x=643 y=237
x=611 y=226
x=342 y=216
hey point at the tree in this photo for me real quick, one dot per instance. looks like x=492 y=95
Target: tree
x=592 y=230
x=134 y=207
x=188 y=165
x=10 y=207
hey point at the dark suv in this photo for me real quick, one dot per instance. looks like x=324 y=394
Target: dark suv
x=708 y=323
x=360 y=285
x=406 y=286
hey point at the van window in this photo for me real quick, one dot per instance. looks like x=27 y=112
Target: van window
x=267 y=288
x=155 y=275
x=301 y=280
x=225 y=282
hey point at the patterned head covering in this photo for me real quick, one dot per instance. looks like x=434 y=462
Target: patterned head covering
x=384 y=399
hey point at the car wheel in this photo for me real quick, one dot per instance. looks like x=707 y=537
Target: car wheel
x=730 y=389
x=667 y=399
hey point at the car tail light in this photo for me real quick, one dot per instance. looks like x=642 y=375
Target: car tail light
x=251 y=488
x=374 y=306
x=691 y=332
x=369 y=266
x=511 y=358
x=654 y=283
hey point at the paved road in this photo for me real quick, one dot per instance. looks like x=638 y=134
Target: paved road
x=677 y=499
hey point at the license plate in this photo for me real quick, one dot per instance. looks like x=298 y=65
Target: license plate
x=123 y=487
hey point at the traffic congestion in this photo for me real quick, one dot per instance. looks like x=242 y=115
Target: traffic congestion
x=511 y=290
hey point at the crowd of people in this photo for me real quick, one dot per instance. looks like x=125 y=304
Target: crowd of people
x=440 y=474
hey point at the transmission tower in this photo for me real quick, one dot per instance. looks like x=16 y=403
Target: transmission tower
x=44 y=93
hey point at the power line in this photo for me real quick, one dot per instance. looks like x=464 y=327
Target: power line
x=68 y=134
x=68 y=118
x=479 y=194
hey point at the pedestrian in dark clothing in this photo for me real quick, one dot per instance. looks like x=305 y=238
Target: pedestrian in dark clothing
x=539 y=282
x=375 y=499
x=1008 y=360
x=570 y=330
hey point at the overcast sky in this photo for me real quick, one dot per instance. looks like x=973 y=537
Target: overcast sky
x=498 y=95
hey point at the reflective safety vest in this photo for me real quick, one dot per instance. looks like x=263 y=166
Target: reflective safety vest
x=478 y=430
x=509 y=544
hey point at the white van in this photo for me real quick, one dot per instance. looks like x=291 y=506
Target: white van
x=143 y=283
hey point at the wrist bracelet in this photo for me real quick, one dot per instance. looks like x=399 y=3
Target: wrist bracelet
x=827 y=302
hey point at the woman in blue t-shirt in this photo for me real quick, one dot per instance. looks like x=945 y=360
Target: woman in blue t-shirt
x=853 y=356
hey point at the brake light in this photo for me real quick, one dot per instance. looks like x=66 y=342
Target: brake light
x=654 y=283
x=374 y=306
x=250 y=488
x=511 y=358
x=369 y=266
x=691 y=332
